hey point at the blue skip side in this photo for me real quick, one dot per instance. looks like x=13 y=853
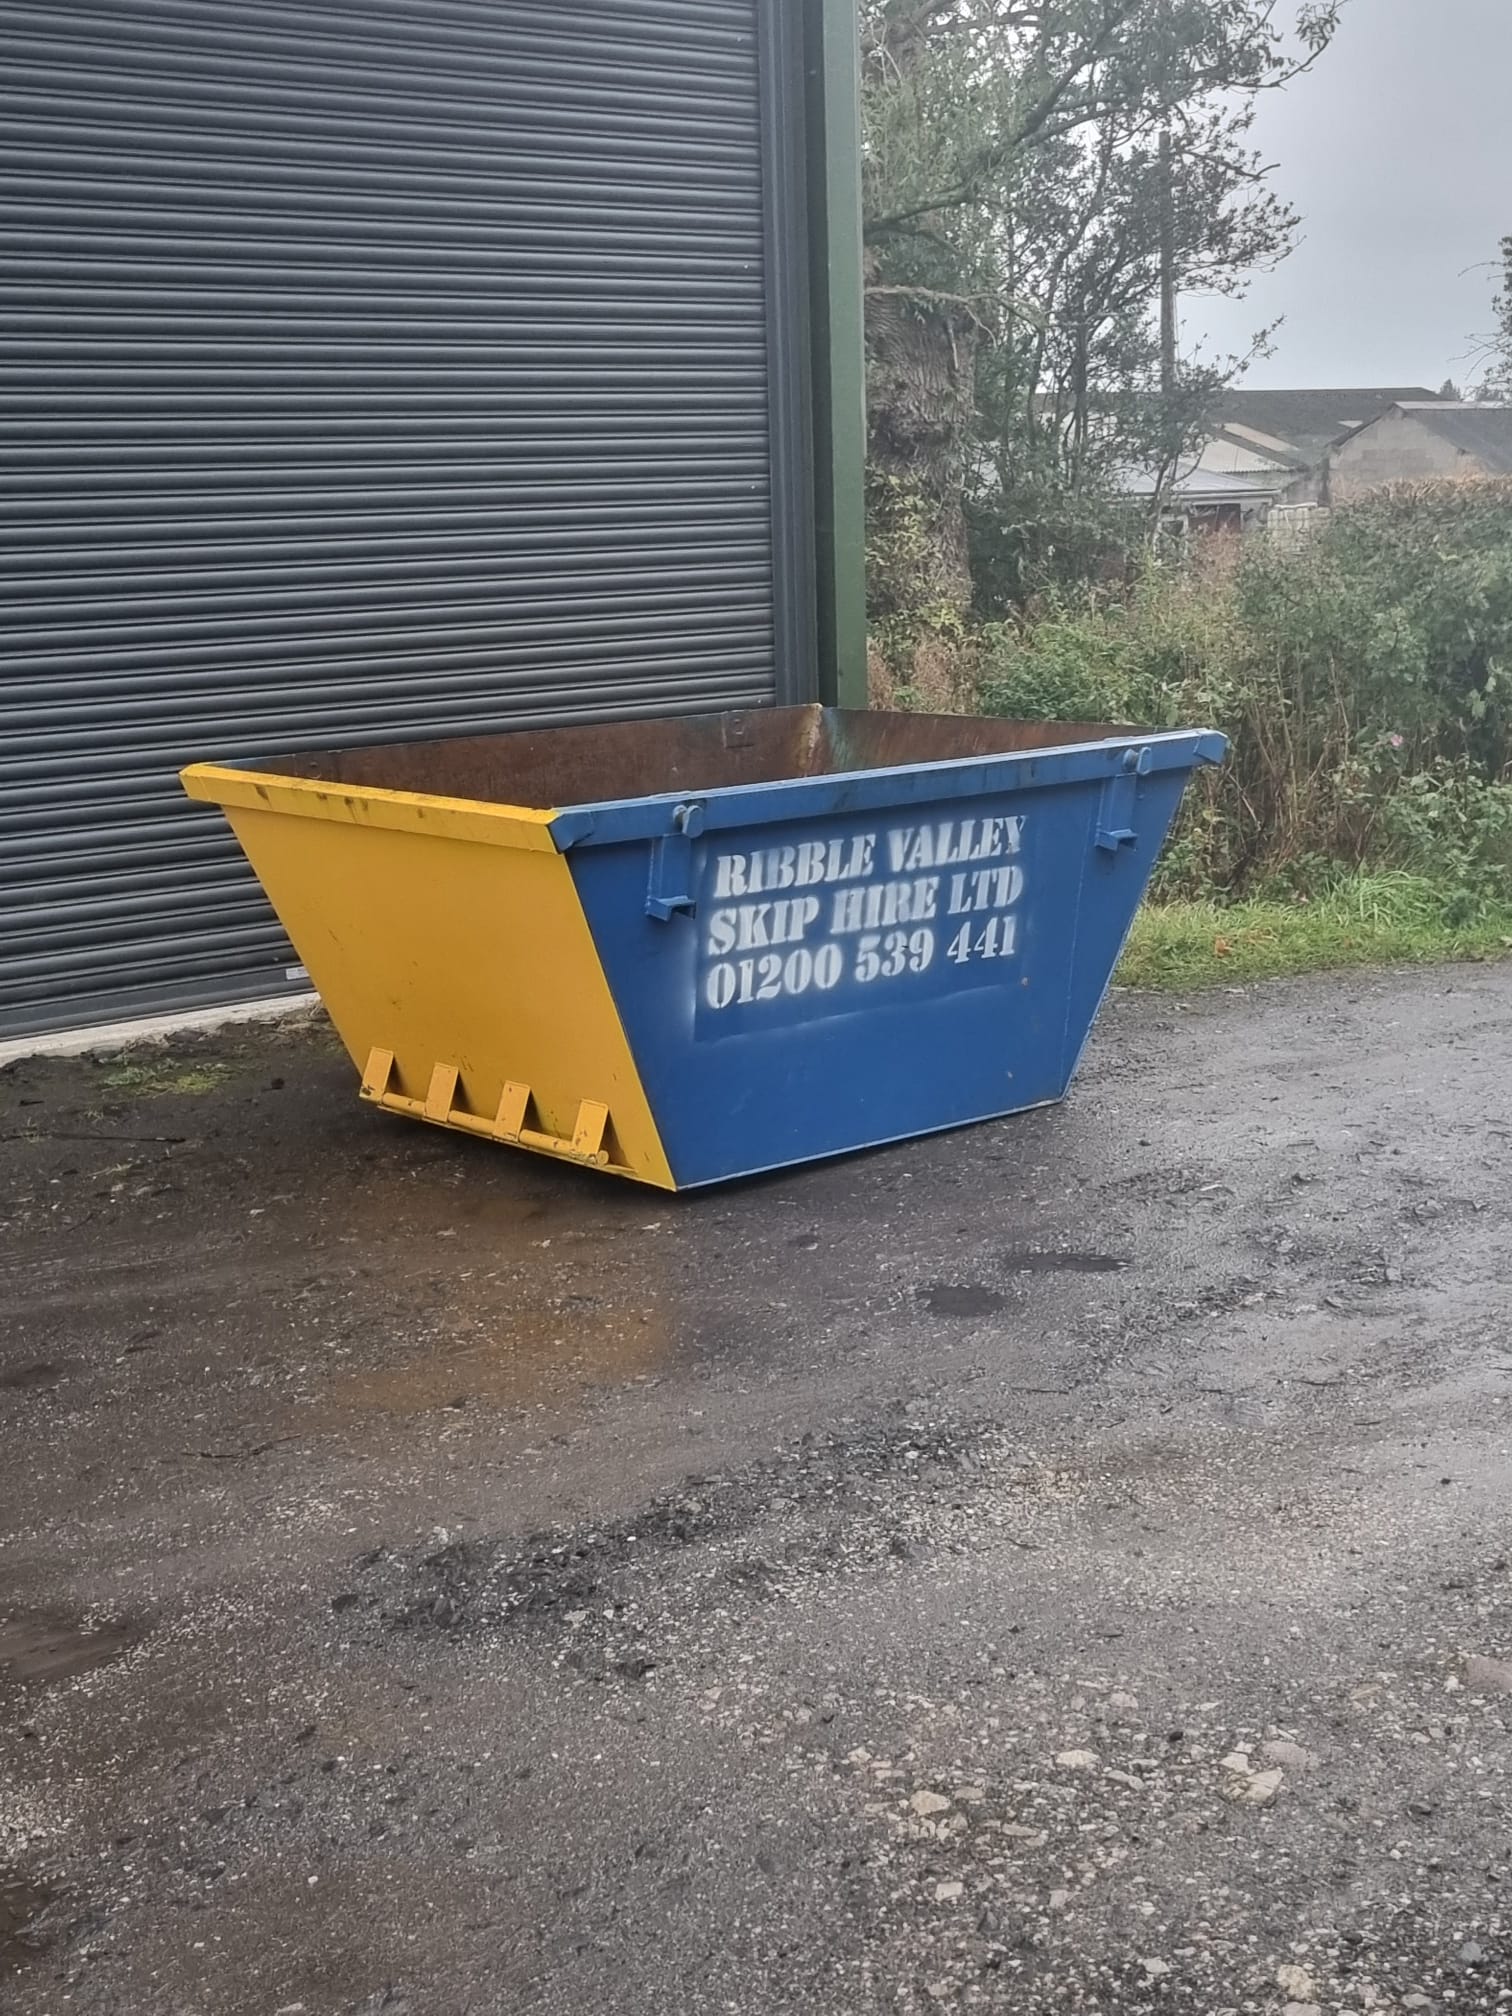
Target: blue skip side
x=830 y=962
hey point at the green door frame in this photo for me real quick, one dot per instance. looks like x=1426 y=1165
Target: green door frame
x=832 y=64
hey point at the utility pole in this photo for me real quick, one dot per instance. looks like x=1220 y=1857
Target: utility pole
x=1167 y=268
x=1170 y=427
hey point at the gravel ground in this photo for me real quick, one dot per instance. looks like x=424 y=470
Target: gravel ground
x=1060 y=1566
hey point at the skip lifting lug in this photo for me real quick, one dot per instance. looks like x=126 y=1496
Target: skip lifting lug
x=516 y=1103
x=671 y=884
x=1115 y=814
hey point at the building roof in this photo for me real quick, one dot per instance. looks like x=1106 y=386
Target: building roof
x=1250 y=439
x=1484 y=432
x=1195 y=485
x=1307 y=421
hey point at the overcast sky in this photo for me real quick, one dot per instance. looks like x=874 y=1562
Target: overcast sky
x=1397 y=150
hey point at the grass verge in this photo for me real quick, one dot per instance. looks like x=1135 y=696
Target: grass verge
x=1367 y=920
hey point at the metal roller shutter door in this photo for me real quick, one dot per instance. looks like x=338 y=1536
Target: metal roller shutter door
x=368 y=369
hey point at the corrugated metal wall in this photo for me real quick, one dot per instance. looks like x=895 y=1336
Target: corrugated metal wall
x=369 y=368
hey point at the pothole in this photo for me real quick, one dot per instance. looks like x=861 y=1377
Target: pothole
x=43 y=1648
x=27 y=1378
x=1033 y=1260
x=960 y=1298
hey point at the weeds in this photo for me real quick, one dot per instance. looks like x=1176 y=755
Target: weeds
x=1363 y=681
x=1388 y=918
x=163 y=1078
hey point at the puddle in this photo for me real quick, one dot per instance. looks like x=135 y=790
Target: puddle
x=48 y=1648
x=488 y=1214
x=969 y=1298
x=1033 y=1261
x=21 y=1904
x=521 y=1295
x=26 y=1378
x=960 y=1298
x=529 y=1358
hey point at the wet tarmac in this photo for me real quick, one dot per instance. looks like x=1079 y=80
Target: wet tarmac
x=1062 y=1565
x=21 y=1905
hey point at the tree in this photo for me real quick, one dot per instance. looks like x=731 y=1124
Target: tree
x=1033 y=168
x=1498 y=383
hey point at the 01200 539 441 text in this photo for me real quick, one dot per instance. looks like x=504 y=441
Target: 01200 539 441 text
x=868 y=907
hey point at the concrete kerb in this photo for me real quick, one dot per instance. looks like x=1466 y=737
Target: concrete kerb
x=109 y=1036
